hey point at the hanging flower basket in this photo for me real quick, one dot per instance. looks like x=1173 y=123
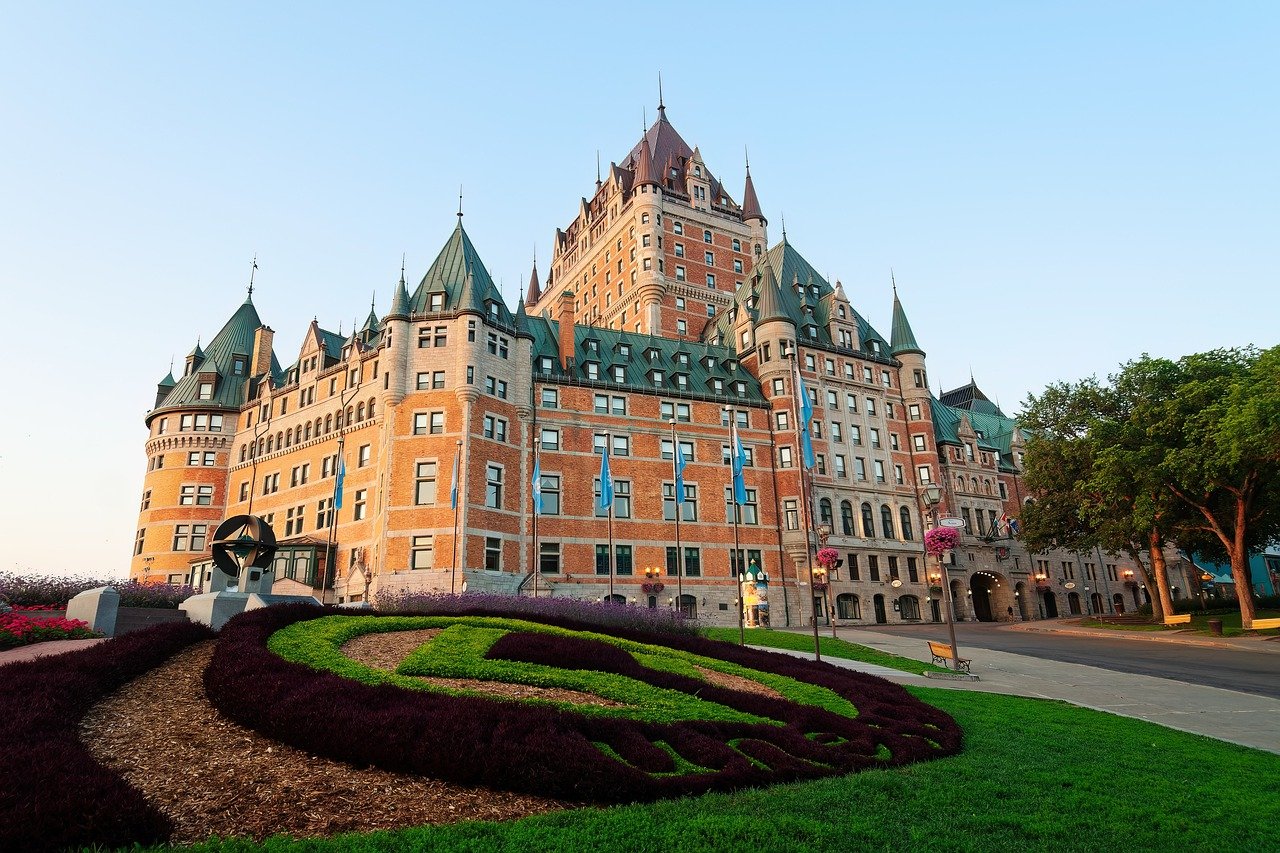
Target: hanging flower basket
x=653 y=587
x=939 y=540
x=828 y=557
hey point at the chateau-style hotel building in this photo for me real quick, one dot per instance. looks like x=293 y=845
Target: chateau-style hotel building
x=667 y=319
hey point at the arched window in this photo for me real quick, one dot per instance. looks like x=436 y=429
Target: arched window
x=886 y=521
x=288 y=438
x=262 y=442
x=328 y=424
x=351 y=412
x=905 y=515
x=848 y=606
x=307 y=435
x=360 y=412
x=244 y=451
x=960 y=482
x=909 y=607
x=824 y=512
x=371 y=407
x=974 y=482
x=280 y=440
x=271 y=443
x=986 y=485
x=846 y=517
x=868 y=522
x=319 y=425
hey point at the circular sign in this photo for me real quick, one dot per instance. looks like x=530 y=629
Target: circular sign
x=1070 y=584
x=895 y=583
x=951 y=522
x=243 y=541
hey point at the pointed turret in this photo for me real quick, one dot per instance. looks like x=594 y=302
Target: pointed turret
x=772 y=305
x=646 y=171
x=750 y=202
x=901 y=338
x=469 y=296
x=371 y=325
x=400 y=302
x=535 y=290
x=521 y=321
x=165 y=386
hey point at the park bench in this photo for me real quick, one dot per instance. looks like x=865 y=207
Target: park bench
x=1264 y=624
x=1178 y=619
x=942 y=652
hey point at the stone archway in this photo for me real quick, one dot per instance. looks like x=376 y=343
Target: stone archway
x=1098 y=606
x=1020 y=593
x=1117 y=602
x=990 y=597
x=1050 y=604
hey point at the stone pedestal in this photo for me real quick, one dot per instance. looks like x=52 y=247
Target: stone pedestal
x=215 y=609
x=98 y=607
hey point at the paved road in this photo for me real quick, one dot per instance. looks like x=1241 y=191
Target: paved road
x=1247 y=671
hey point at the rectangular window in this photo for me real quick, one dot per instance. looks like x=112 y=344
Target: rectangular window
x=549 y=558
x=784 y=456
x=424 y=489
x=362 y=459
x=422 y=553
x=841 y=472
x=550 y=438
x=622 y=564
x=923 y=475
x=749 y=511
x=859 y=468
x=689 y=509
x=492 y=554
x=550 y=398
x=666 y=449
x=324 y=513
x=493 y=486
x=550 y=494
x=495 y=428
x=362 y=497
x=139 y=542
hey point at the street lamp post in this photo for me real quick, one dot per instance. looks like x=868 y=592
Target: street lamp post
x=822 y=575
x=933 y=497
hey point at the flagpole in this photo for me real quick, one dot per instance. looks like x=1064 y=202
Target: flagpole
x=536 y=512
x=333 y=522
x=608 y=441
x=804 y=500
x=678 y=486
x=453 y=561
x=735 y=561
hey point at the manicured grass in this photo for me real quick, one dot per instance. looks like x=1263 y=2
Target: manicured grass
x=831 y=647
x=1199 y=624
x=1035 y=775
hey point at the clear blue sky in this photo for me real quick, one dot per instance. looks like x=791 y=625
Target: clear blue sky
x=1058 y=187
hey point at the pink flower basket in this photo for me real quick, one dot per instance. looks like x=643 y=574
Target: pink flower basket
x=939 y=540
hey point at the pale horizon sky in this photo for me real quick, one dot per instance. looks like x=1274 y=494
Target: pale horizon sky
x=1057 y=189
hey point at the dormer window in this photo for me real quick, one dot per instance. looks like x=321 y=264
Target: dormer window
x=239 y=365
x=717 y=385
x=652 y=353
x=682 y=358
x=840 y=312
x=205 y=391
x=741 y=388
x=874 y=346
x=593 y=346
x=697 y=171
x=493 y=310
x=619 y=373
x=593 y=370
x=711 y=362
x=545 y=363
x=624 y=350
x=656 y=377
x=437 y=302
x=682 y=381
x=811 y=331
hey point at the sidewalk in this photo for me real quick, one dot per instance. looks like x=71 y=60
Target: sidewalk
x=50 y=647
x=1240 y=718
x=1190 y=638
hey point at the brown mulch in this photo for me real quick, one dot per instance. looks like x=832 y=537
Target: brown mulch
x=387 y=650
x=736 y=682
x=214 y=777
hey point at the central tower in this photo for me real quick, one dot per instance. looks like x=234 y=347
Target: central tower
x=659 y=248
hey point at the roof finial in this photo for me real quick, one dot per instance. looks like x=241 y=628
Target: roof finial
x=661 y=107
x=597 y=168
x=373 y=300
x=459 y=202
x=746 y=155
x=402 y=257
x=784 y=227
x=252 y=270
x=894 y=282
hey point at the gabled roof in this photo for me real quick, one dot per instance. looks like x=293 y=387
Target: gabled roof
x=235 y=338
x=903 y=339
x=639 y=367
x=970 y=398
x=996 y=430
x=460 y=275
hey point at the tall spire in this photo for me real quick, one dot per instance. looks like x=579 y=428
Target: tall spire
x=901 y=338
x=535 y=290
x=772 y=305
x=252 y=271
x=459 y=202
x=597 y=168
x=662 y=109
x=750 y=203
x=646 y=172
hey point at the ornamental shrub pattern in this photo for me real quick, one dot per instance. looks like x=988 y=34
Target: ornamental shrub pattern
x=53 y=793
x=26 y=591
x=677 y=732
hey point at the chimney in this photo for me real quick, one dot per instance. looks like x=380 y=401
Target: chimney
x=260 y=363
x=564 y=317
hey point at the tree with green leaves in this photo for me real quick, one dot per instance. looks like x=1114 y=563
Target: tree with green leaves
x=1185 y=452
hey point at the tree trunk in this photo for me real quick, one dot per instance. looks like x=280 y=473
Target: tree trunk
x=1240 y=568
x=1157 y=609
x=1161 y=573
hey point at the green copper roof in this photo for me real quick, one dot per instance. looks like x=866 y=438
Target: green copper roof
x=642 y=356
x=995 y=430
x=234 y=342
x=772 y=304
x=400 y=306
x=460 y=275
x=903 y=339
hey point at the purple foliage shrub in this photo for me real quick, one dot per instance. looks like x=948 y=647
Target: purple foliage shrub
x=536 y=749
x=53 y=793
x=36 y=590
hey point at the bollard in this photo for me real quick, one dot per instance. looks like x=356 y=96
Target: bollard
x=1215 y=627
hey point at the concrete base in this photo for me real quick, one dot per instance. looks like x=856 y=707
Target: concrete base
x=98 y=607
x=215 y=609
x=952 y=676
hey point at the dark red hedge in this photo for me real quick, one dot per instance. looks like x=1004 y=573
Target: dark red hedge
x=515 y=746
x=53 y=793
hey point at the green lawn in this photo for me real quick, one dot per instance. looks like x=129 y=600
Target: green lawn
x=831 y=647
x=1199 y=623
x=1035 y=775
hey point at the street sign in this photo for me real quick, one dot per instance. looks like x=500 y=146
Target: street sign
x=951 y=522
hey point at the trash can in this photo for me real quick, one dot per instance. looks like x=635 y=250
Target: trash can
x=1215 y=627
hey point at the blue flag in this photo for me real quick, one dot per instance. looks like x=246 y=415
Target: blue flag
x=537 y=485
x=738 y=459
x=606 y=481
x=453 y=486
x=806 y=415
x=680 y=463
x=337 y=489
